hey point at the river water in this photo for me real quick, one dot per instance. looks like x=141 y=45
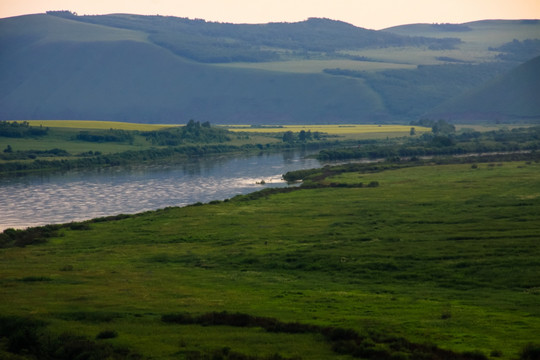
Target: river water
x=49 y=198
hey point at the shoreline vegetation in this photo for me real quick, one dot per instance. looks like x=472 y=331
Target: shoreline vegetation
x=72 y=146
x=382 y=260
x=410 y=258
x=31 y=146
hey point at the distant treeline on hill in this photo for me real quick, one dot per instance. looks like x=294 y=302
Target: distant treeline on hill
x=193 y=132
x=424 y=84
x=22 y=129
x=442 y=141
x=205 y=41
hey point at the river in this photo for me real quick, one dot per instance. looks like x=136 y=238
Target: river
x=49 y=198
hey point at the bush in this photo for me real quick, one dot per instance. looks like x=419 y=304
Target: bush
x=30 y=236
x=530 y=352
x=107 y=334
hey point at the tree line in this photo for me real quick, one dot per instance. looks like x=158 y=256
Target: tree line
x=192 y=132
x=15 y=129
x=443 y=140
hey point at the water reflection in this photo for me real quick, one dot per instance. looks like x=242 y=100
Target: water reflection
x=41 y=199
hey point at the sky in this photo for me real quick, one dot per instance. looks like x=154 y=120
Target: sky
x=371 y=14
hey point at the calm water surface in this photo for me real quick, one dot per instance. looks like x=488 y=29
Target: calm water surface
x=75 y=196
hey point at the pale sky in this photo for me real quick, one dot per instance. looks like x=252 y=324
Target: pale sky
x=371 y=14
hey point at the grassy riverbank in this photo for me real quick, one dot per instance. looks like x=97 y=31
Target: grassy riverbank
x=438 y=254
x=64 y=145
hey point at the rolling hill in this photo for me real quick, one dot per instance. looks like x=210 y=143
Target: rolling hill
x=516 y=93
x=158 y=69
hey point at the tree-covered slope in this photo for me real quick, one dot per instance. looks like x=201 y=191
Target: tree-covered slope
x=159 y=69
x=216 y=42
x=513 y=95
x=132 y=79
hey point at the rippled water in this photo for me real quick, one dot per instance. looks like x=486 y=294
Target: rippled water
x=75 y=196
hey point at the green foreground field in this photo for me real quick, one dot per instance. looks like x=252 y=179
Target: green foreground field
x=439 y=254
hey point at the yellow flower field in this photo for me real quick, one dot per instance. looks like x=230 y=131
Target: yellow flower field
x=337 y=129
x=88 y=124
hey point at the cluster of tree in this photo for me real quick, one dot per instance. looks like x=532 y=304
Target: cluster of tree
x=437 y=126
x=447 y=27
x=111 y=135
x=62 y=13
x=519 y=51
x=212 y=50
x=442 y=141
x=223 y=42
x=193 y=132
x=22 y=129
x=26 y=338
x=424 y=91
x=302 y=136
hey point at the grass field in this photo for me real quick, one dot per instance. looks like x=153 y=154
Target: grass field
x=62 y=135
x=341 y=129
x=445 y=254
x=102 y=125
x=317 y=66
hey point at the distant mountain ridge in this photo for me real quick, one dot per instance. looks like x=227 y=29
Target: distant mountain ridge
x=158 y=69
x=224 y=42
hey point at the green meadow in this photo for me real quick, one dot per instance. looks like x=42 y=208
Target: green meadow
x=405 y=263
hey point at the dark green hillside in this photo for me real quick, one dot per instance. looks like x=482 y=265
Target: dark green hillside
x=512 y=96
x=224 y=42
x=411 y=93
x=159 y=69
x=134 y=80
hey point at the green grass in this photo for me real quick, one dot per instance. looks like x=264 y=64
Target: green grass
x=441 y=254
x=317 y=66
x=63 y=138
x=62 y=134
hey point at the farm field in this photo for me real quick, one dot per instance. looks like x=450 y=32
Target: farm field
x=338 y=129
x=344 y=131
x=63 y=134
x=317 y=66
x=335 y=129
x=103 y=125
x=438 y=254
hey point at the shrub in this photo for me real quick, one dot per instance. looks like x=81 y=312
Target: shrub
x=530 y=352
x=35 y=278
x=107 y=334
x=30 y=236
x=475 y=355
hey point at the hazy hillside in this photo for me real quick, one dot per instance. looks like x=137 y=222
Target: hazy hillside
x=132 y=79
x=169 y=70
x=516 y=94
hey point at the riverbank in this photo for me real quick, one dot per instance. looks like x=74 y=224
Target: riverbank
x=76 y=195
x=438 y=258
